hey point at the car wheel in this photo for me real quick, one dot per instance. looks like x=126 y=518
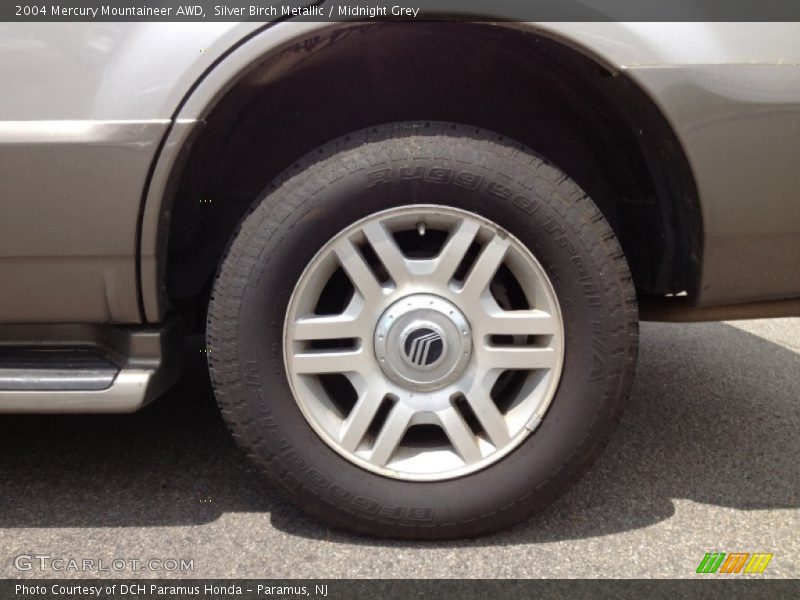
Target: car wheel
x=423 y=330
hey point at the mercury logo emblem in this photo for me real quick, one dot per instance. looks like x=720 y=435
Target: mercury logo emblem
x=424 y=347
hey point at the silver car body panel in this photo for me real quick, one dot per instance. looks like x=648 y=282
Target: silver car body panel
x=95 y=114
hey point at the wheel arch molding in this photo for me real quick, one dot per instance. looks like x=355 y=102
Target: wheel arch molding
x=642 y=180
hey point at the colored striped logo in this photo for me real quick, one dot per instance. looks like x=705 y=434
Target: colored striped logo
x=734 y=562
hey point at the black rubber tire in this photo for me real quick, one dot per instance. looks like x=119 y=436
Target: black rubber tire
x=426 y=163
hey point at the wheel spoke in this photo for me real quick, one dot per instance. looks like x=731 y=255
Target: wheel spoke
x=490 y=417
x=519 y=358
x=327 y=328
x=519 y=322
x=454 y=250
x=358 y=270
x=388 y=252
x=484 y=269
x=460 y=435
x=334 y=361
x=357 y=423
x=392 y=432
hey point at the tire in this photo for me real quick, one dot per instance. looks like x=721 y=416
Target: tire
x=400 y=167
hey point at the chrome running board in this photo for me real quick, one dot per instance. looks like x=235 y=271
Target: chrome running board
x=83 y=369
x=53 y=369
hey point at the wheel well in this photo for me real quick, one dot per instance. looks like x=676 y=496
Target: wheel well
x=594 y=124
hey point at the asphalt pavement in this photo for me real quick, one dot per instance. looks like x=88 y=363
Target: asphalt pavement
x=707 y=458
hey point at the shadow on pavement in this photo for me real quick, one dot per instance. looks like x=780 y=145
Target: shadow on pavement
x=713 y=418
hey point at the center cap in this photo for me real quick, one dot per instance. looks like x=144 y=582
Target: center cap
x=423 y=342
